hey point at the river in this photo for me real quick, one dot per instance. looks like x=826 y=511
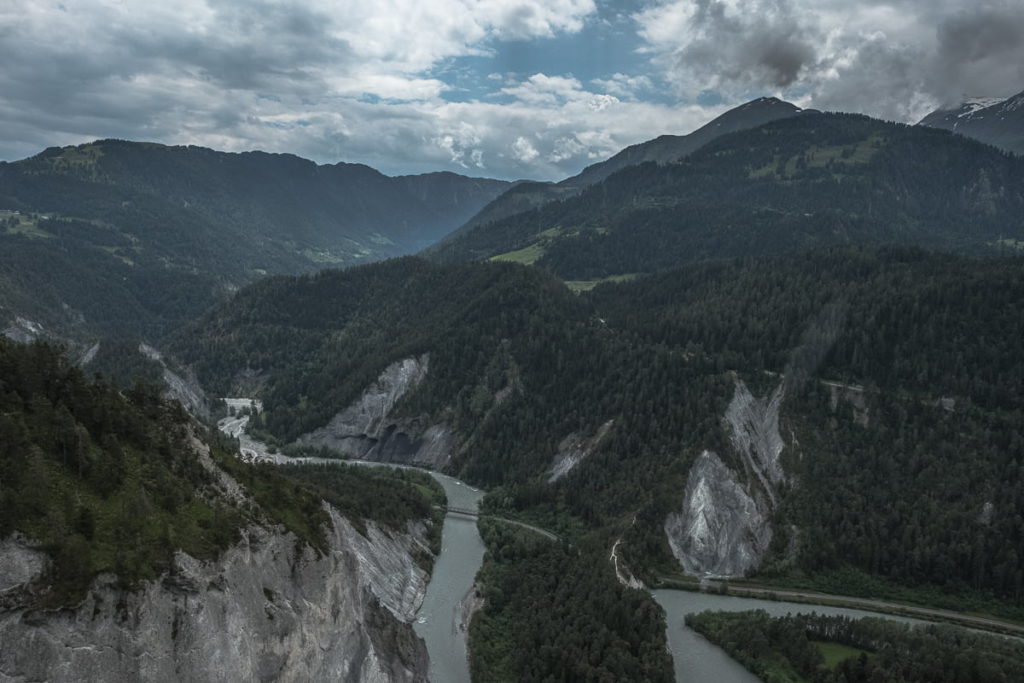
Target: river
x=440 y=618
x=696 y=659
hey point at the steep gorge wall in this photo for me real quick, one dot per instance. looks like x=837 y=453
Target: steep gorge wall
x=267 y=609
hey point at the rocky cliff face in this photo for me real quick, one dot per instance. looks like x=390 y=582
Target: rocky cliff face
x=366 y=429
x=722 y=530
x=723 y=527
x=182 y=387
x=268 y=609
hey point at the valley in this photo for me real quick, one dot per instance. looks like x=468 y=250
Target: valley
x=778 y=357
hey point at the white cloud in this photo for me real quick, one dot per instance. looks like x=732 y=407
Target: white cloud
x=623 y=86
x=541 y=89
x=239 y=74
x=523 y=150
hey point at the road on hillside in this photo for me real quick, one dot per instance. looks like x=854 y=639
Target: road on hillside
x=869 y=603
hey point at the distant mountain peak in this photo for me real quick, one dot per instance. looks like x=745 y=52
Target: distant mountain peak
x=664 y=149
x=996 y=121
x=766 y=101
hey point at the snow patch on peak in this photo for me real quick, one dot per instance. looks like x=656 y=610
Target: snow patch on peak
x=973 y=104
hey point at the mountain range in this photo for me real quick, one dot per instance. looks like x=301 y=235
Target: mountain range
x=119 y=237
x=793 y=183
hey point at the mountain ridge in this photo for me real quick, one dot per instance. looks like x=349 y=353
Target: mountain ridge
x=788 y=185
x=662 y=149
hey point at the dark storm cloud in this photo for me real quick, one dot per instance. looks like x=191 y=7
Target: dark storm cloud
x=881 y=79
x=147 y=74
x=980 y=52
x=256 y=44
x=895 y=59
x=764 y=43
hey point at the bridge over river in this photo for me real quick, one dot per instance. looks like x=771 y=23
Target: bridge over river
x=466 y=512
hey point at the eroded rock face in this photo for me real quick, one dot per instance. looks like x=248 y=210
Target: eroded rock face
x=722 y=530
x=23 y=331
x=574 y=449
x=367 y=431
x=183 y=387
x=724 y=526
x=754 y=434
x=268 y=609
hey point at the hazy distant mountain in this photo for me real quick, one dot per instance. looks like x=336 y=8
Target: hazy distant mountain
x=135 y=237
x=995 y=121
x=788 y=185
x=663 y=150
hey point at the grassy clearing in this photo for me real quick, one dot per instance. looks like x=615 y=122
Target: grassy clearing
x=551 y=232
x=118 y=253
x=17 y=223
x=325 y=256
x=527 y=255
x=587 y=285
x=835 y=654
x=83 y=158
x=820 y=157
x=779 y=669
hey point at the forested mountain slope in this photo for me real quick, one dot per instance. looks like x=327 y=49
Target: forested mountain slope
x=789 y=185
x=887 y=366
x=121 y=237
x=664 y=149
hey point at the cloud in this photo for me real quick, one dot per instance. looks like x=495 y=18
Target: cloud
x=724 y=43
x=239 y=74
x=410 y=86
x=523 y=150
x=623 y=86
x=326 y=80
x=979 y=52
x=896 y=59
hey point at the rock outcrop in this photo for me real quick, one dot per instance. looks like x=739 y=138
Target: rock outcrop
x=268 y=609
x=367 y=431
x=20 y=564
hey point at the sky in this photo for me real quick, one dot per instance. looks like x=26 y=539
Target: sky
x=498 y=88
